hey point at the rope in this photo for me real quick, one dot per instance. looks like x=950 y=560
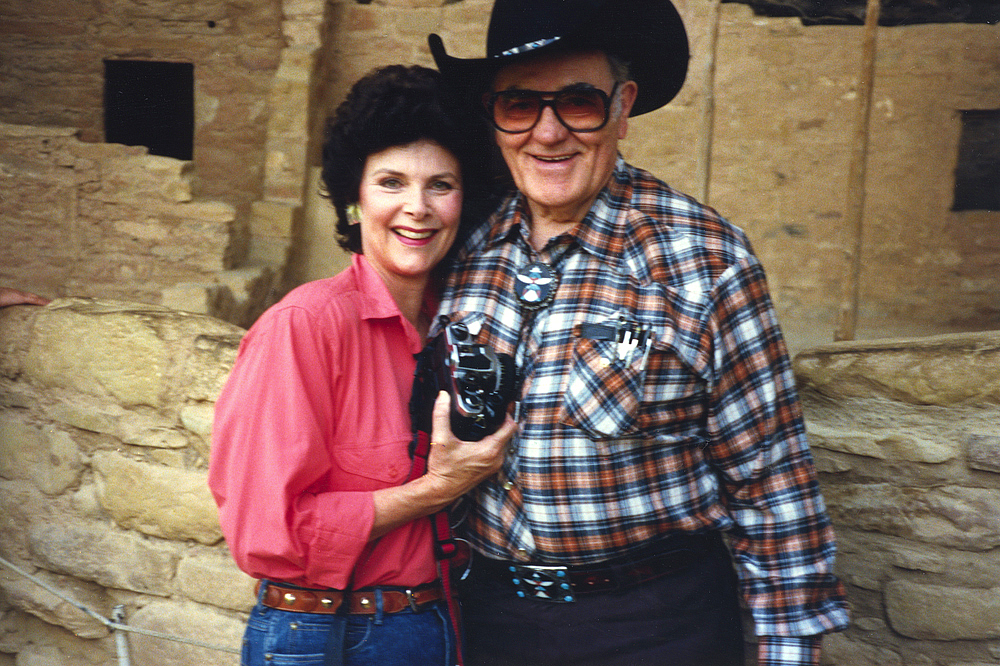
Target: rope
x=112 y=624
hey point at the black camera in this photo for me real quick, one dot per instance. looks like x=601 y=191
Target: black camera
x=481 y=383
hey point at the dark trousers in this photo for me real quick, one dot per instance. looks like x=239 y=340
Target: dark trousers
x=689 y=617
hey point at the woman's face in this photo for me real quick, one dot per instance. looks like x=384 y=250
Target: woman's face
x=410 y=200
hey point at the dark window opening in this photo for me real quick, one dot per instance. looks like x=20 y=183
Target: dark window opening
x=977 y=176
x=892 y=12
x=150 y=104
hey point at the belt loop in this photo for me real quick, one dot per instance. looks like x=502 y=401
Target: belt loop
x=379 y=606
x=261 y=591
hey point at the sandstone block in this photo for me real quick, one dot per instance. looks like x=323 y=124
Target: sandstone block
x=958 y=613
x=144 y=176
x=208 y=366
x=844 y=650
x=76 y=347
x=964 y=518
x=157 y=500
x=214 y=578
x=131 y=427
x=941 y=370
x=21 y=505
x=185 y=620
x=882 y=445
x=855 y=442
x=49 y=457
x=20 y=443
x=94 y=551
x=208 y=211
x=46 y=646
x=30 y=597
x=198 y=418
x=190 y=297
x=272 y=219
x=984 y=452
x=88 y=414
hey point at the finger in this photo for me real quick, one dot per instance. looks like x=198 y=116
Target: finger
x=441 y=418
x=506 y=431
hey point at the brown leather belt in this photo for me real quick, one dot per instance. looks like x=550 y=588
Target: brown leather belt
x=360 y=602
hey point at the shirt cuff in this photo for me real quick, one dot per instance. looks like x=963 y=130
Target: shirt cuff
x=788 y=650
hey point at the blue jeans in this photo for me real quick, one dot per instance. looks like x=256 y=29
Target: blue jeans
x=283 y=638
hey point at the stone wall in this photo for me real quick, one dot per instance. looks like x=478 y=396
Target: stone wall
x=105 y=421
x=53 y=73
x=906 y=438
x=111 y=221
x=105 y=416
x=771 y=151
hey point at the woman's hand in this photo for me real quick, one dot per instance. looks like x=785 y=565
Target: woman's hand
x=457 y=466
x=454 y=467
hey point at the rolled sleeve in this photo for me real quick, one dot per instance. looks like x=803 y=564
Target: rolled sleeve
x=783 y=541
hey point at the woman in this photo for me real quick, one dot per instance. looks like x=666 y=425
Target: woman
x=310 y=445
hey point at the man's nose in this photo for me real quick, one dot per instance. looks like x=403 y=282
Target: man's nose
x=549 y=129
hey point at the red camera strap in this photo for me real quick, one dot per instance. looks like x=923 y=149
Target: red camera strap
x=445 y=546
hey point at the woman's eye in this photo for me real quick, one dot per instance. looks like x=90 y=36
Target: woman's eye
x=442 y=186
x=391 y=183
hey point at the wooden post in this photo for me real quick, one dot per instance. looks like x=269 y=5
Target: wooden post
x=855 y=209
x=705 y=137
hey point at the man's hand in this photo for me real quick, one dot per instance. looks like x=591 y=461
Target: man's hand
x=9 y=296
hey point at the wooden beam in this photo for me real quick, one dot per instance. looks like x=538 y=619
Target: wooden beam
x=706 y=135
x=855 y=208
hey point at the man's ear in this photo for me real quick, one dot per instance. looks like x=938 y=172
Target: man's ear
x=628 y=91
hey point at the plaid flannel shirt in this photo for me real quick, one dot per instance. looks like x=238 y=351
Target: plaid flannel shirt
x=698 y=428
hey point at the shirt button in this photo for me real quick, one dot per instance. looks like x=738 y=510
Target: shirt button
x=508 y=485
x=522 y=554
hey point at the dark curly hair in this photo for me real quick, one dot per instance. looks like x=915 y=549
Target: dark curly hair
x=396 y=106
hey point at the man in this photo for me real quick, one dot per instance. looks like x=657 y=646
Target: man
x=657 y=410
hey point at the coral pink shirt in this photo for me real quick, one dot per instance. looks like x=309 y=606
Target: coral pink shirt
x=312 y=420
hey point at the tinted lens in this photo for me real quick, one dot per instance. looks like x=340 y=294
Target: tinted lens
x=583 y=110
x=516 y=110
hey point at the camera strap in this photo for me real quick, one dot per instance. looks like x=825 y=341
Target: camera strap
x=446 y=547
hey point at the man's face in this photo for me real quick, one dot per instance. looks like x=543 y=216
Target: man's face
x=561 y=171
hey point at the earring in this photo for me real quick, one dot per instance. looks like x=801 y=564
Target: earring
x=353 y=214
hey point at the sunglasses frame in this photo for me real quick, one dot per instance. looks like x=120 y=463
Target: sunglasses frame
x=490 y=100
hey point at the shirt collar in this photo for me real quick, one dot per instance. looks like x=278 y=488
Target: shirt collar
x=602 y=232
x=377 y=303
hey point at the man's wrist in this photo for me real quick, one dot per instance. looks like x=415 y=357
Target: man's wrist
x=788 y=650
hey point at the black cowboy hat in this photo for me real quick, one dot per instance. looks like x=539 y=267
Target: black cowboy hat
x=647 y=34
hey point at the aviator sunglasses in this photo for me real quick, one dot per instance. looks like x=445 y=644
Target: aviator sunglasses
x=579 y=108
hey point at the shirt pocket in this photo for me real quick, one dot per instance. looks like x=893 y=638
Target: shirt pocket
x=643 y=394
x=604 y=392
x=367 y=466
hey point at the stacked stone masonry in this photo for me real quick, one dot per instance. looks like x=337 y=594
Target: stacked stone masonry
x=105 y=420
x=905 y=434
x=105 y=423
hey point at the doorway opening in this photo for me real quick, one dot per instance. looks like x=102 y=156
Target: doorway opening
x=150 y=104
